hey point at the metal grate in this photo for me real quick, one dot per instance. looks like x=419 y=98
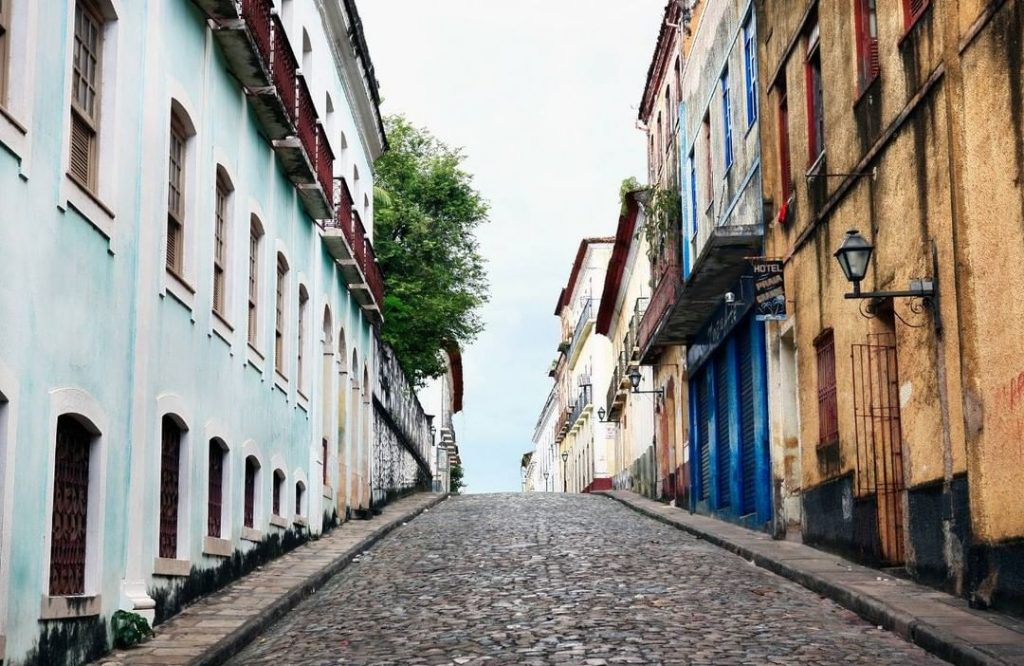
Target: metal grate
x=723 y=435
x=703 y=423
x=170 y=466
x=215 y=491
x=251 y=468
x=876 y=409
x=748 y=448
x=70 y=508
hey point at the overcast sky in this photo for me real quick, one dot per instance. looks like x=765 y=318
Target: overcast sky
x=542 y=96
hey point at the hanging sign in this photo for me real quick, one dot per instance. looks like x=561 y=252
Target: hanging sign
x=769 y=289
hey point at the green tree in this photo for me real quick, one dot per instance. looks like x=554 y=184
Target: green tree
x=455 y=483
x=426 y=214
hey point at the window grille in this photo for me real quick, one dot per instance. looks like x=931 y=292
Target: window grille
x=70 y=508
x=170 y=469
x=215 y=490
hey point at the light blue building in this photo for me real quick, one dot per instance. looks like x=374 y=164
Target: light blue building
x=187 y=301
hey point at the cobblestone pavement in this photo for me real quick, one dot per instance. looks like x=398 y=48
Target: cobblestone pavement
x=571 y=579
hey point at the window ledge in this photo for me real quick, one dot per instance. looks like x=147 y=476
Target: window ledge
x=254 y=358
x=67 y=608
x=221 y=328
x=15 y=137
x=817 y=165
x=253 y=535
x=279 y=521
x=301 y=521
x=164 y=566
x=866 y=91
x=89 y=206
x=216 y=546
x=328 y=492
x=910 y=28
x=280 y=382
x=181 y=290
x=302 y=401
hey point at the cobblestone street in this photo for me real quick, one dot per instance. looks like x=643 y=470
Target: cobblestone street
x=538 y=579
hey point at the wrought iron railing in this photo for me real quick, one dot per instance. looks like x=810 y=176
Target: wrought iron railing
x=665 y=295
x=258 y=17
x=586 y=316
x=324 y=162
x=305 y=119
x=283 y=68
x=631 y=343
x=584 y=399
x=618 y=373
x=347 y=219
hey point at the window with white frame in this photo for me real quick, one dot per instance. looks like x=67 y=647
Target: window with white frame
x=221 y=237
x=279 y=316
x=176 y=182
x=300 y=354
x=86 y=65
x=255 y=241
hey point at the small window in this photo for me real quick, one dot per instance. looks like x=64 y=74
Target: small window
x=867 y=42
x=300 y=358
x=300 y=499
x=176 y=197
x=913 y=10
x=5 y=26
x=828 y=410
x=726 y=121
x=170 y=473
x=215 y=489
x=709 y=188
x=70 y=508
x=255 y=238
x=815 y=98
x=85 y=93
x=278 y=489
x=252 y=470
x=692 y=170
x=221 y=237
x=323 y=457
x=785 y=171
x=750 y=68
x=279 y=323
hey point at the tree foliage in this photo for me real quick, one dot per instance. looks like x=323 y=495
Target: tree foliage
x=455 y=483
x=426 y=214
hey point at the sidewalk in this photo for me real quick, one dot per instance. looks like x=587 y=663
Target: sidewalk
x=938 y=622
x=216 y=627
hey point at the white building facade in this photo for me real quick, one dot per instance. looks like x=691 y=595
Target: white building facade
x=188 y=292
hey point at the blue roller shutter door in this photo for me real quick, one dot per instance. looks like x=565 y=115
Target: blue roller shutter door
x=748 y=444
x=723 y=389
x=703 y=414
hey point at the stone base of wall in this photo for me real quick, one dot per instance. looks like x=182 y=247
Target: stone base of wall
x=938 y=527
x=835 y=521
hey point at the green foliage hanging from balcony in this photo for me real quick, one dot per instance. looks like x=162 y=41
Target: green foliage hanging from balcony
x=663 y=213
x=426 y=212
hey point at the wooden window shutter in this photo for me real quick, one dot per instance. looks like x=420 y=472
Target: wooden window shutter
x=176 y=198
x=913 y=9
x=83 y=139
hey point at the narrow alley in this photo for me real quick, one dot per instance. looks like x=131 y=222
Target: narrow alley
x=575 y=579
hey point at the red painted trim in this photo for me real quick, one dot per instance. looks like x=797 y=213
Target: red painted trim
x=660 y=59
x=598 y=485
x=617 y=265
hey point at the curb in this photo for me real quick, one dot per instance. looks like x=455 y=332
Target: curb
x=927 y=636
x=233 y=643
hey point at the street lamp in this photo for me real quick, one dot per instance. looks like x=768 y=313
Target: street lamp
x=546 y=481
x=634 y=380
x=565 y=485
x=854 y=255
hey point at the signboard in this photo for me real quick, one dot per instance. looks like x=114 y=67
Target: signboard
x=769 y=289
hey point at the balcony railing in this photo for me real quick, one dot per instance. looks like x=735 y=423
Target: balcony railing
x=665 y=295
x=284 y=68
x=562 y=425
x=259 y=18
x=305 y=119
x=583 y=400
x=631 y=342
x=616 y=391
x=354 y=252
x=585 y=318
x=324 y=162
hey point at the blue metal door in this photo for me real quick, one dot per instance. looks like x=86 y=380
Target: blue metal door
x=748 y=435
x=723 y=390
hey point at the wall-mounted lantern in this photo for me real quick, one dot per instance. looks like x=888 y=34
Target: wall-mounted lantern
x=854 y=257
x=634 y=380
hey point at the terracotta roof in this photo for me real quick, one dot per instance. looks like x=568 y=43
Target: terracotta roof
x=617 y=264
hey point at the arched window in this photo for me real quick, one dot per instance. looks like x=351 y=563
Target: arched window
x=300 y=353
x=181 y=133
x=324 y=449
x=170 y=478
x=278 y=490
x=255 y=242
x=300 y=498
x=252 y=472
x=307 y=57
x=221 y=240
x=215 y=489
x=281 y=308
x=70 y=507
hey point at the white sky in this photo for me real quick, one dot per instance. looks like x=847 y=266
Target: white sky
x=542 y=96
